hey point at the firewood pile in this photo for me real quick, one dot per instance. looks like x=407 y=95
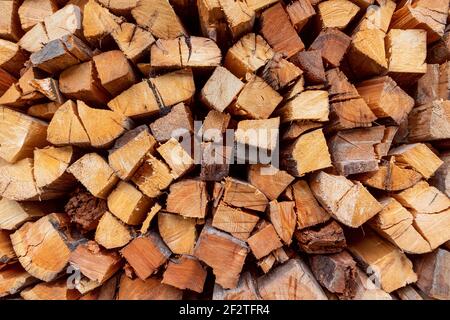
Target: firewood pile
x=224 y=149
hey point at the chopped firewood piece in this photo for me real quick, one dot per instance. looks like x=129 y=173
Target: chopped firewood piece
x=312 y=65
x=95 y=174
x=290 y=281
x=418 y=157
x=128 y=204
x=117 y=79
x=32 y=12
x=385 y=98
x=269 y=180
x=264 y=241
x=7 y=254
x=336 y=272
x=279 y=72
x=350 y=114
x=332 y=45
x=259 y=135
x=49 y=169
x=42 y=247
x=158 y=17
x=129 y=151
x=49 y=87
x=185 y=52
x=439 y=52
x=120 y=7
x=247 y=55
x=215 y=125
x=430 y=122
x=146 y=254
x=408 y=293
x=407 y=51
x=152 y=177
x=60 y=54
x=309 y=212
x=283 y=218
x=95 y=263
x=215 y=160
x=221 y=89
x=422 y=14
x=13 y=214
x=98 y=22
x=368 y=290
x=277 y=29
x=65 y=21
x=441 y=178
x=6 y=81
x=228 y=264
x=297 y=128
x=384 y=262
x=149 y=289
x=12 y=57
x=307 y=153
x=188 y=198
x=133 y=41
x=347 y=201
x=85 y=210
x=185 y=273
x=20 y=134
x=433 y=273
x=337 y=13
x=308 y=105
x=55 y=290
x=177 y=123
x=235 y=221
x=323 y=239
x=111 y=232
x=244 y=195
x=80 y=82
x=35 y=39
x=352 y=151
x=10 y=28
x=390 y=176
x=245 y=290
x=176 y=157
x=257 y=100
x=173 y=87
x=13 y=279
x=150 y=215
x=300 y=11
x=433 y=85
x=179 y=233
x=396 y=224
x=267 y=263
x=239 y=16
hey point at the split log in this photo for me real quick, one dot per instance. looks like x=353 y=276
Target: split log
x=6 y=81
x=64 y=22
x=239 y=16
x=312 y=65
x=152 y=177
x=247 y=55
x=227 y=265
x=119 y=7
x=176 y=157
x=308 y=105
x=128 y=204
x=215 y=160
x=43 y=247
x=279 y=72
x=337 y=13
x=332 y=45
x=150 y=289
x=177 y=123
x=284 y=219
x=173 y=87
x=297 y=128
x=290 y=281
x=43 y=111
x=111 y=233
x=35 y=39
x=98 y=23
x=32 y=12
x=221 y=89
x=385 y=98
x=12 y=57
x=300 y=12
x=430 y=122
x=441 y=178
x=368 y=290
x=440 y=51
x=133 y=41
x=269 y=180
x=185 y=52
x=14 y=279
x=129 y=151
x=347 y=201
x=321 y=239
x=179 y=233
x=337 y=273
x=433 y=276
x=156 y=254
x=81 y=82
x=408 y=293
x=384 y=262
x=215 y=124
x=407 y=53
x=10 y=28
x=418 y=157
x=20 y=134
x=267 y=263
x=245 y=290
x=185 y=273
x=148 y=219
x=95 y=263
x=307 y=153
x=433 y=85
x=264 y=241
x=396 y=224
x=244 y=195
x=13 y=214
x=7 y=254
x=239 y=223
x=188 y=198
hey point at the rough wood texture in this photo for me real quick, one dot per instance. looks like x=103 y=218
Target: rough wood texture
x=244 y=195
x=337 y=13
x=179 y=233
x=149 y=289
x=13 y=280
x=264 y=241
x=332 y=45
x=269 y=180
x=188 y=198
x=235 y=221
x=185 y=273
x=430 y=122
x=111 y=232
x=323 y=239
